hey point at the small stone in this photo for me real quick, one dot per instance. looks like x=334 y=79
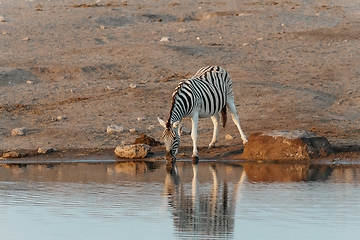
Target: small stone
x=19 y=131
x=132 y=151
x=46 y=150
x=165 y=39
x=109 y=88
x=61 y=117
x=246 y=44
x=229 y=137
x=11 y=154
x=133 y=85
x=29 y=82
x=26 y=39
x=260 y=39
x=114 y=129
x=2 y=19
x=102 y=27
x=182 y=30
x=151 y=127
x=139 y=119
x=185 y=131
x=133 y=130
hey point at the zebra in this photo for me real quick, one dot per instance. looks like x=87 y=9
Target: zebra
x=204 y=95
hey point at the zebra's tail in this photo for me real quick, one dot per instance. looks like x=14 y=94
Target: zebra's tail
x=223 y=116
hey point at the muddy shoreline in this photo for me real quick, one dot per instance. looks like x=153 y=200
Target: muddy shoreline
x=221 y=153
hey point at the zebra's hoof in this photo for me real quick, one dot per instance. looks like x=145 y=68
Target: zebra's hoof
x=195 y=160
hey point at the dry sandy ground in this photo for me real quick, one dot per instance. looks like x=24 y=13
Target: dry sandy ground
x=295 y=65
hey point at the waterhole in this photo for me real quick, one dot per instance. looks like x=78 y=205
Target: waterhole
x=210 y=200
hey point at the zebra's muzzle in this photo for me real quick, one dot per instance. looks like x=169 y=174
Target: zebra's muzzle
x=169 y=157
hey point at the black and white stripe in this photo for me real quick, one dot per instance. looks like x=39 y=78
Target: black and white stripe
x=171 y=134
x=206 y=94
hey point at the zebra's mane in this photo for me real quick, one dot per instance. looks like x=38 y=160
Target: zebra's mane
x=174 y=95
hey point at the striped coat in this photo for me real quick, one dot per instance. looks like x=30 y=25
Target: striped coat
x=206 y=94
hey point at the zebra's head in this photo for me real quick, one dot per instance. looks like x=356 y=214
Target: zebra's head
x=171 y=138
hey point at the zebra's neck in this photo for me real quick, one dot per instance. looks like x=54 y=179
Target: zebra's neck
x=180 y=104
x=177 y=113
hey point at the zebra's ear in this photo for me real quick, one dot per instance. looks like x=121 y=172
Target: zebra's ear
x=175 y=124
x=162 y=123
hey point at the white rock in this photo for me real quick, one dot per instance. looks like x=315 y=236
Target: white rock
x=151 y=127
x=165 y=39
x=114 y=129
x=139 y=119
x=19 y=131
x=243 y=14
x=182 y=30
x=30 y=82
x=133 y=130
x=26 y=39
x=229 y=137
x=61 y=117
x=2 y=19
x=133 y=85
x=246 y=44
x=46 y=150
x=102 y=27
x=109 y=88
x=132 y=151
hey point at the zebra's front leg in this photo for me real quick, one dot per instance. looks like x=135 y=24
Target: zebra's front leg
x=195 y=120
x=215 y=119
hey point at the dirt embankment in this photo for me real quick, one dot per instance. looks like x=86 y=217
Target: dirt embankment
x=295 y=65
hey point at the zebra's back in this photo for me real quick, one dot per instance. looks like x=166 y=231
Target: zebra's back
x=215 y=75
x=212 y=86
x=205 y=93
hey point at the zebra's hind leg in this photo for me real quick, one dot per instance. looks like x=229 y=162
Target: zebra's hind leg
x=215 y=119
x=230 y=104
x=195 y=120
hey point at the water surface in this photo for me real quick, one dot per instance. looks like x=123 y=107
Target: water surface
x=139 y=200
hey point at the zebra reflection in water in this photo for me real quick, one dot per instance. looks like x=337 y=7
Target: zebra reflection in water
x=200 y=209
